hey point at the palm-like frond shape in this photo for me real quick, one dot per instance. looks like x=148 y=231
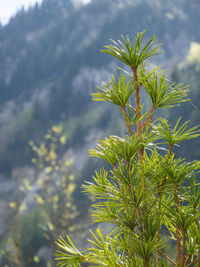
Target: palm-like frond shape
x=126 y=148
x=144 y=73
x=105 y=251
x=194 y=232
x=192 y=193
x=183 y=219
x=105 y=152
x=193 y=241
x=152 y=224
x=162 y=93
x=103 y=189
x=117 y=92
x=179 y=170
x=113 y=214
x=177 y=134
x=69 y=254
x=133 y=55
x=114 y=148
x=145 y=249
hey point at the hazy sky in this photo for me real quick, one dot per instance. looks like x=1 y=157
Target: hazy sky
x=10 y=7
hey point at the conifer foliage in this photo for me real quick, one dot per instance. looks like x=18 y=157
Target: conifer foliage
x=149 y=196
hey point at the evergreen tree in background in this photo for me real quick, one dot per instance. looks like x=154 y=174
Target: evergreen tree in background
x=149 y=196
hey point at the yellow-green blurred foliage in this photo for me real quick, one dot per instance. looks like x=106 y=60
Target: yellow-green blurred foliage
x=49 y=209
x=55 y=181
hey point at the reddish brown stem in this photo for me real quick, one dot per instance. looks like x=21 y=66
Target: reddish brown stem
x=137 y=101
x=192 y=263
x=145 y=263
x=170 y=151
x=188 y=258
x=183 y=247
x=149 y=118
x=127 y=164
x=178 y=242
x=166 y=257
x=126 y=121
x=138 y=109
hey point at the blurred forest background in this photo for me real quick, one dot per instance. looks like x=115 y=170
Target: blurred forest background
x=50 y=63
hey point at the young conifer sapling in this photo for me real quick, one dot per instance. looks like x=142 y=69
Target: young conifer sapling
x=150 y=195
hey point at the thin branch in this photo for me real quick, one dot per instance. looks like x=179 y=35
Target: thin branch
x=170 y=151
x=126 y=121
x=153 y=204
x=149 y=118
x=191 y=263
x=145 y=263
x=137 y=100
x=137 y=210
x=166 y=257
x=188 y=258
x=138 y=109
x=183 y=247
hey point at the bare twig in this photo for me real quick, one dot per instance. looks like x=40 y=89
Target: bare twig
x=166 y=257
x=126 y=121
x=137 y=100
x=191 y=263
x=149 y=118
